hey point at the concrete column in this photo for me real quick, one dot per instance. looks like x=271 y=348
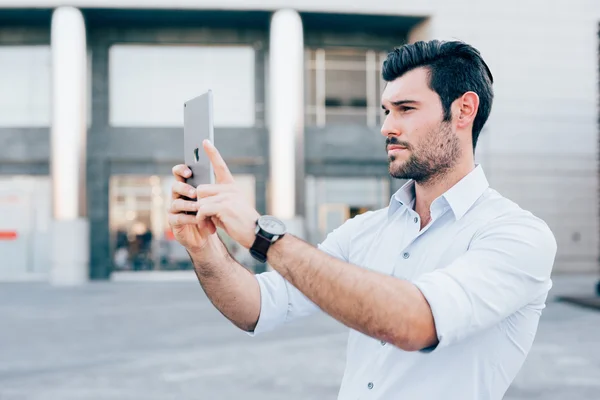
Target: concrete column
x=286 y=119
x=70 y=245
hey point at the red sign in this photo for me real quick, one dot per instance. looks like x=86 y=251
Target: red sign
x=10 y=199
x=8 y=235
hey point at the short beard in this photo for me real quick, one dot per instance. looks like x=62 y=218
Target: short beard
x=438 y=152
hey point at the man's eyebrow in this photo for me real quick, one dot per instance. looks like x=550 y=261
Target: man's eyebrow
x=399 y=103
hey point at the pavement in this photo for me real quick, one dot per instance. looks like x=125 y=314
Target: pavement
x=164 y=340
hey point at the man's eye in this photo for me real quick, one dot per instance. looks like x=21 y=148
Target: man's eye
x=404 y=108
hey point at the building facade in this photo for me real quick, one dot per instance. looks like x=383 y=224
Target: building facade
x=91 y=117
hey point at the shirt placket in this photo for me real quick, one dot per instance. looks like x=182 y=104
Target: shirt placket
x=406 y=252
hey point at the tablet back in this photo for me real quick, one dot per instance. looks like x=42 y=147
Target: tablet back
x=198 y=126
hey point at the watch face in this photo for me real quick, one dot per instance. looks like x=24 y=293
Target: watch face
x=271 y=225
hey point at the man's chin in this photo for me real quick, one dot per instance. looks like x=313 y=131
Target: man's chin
x=396 y=172
x=396 y=164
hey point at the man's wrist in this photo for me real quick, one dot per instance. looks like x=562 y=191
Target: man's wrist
x=268 y=231
x=275 y=252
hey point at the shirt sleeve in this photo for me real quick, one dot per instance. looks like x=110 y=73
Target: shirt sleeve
x=280 y=301
x=506 y=267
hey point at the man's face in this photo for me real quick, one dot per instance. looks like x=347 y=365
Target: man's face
x=419 y=144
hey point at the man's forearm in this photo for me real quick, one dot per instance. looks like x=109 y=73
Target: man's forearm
x=377 y=305
x=232 y=289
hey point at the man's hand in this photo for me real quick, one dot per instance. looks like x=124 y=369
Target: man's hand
x=225 y=204
x=189 y=231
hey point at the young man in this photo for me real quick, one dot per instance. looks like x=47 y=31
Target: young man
x=442 y=290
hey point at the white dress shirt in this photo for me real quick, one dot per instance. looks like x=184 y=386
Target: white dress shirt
x=482 y=263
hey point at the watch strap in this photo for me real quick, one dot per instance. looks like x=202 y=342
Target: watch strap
x=260 y=247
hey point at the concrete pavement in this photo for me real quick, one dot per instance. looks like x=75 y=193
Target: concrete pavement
x=164 y=340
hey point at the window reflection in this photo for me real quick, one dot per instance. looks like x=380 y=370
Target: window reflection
x=343 y=86
x=150 y=83
x=330 y=201
x=25 y=79
x=140 y=234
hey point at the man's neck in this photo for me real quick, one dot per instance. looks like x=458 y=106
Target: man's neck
x=426 y=193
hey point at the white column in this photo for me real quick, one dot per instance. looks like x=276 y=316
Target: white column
x=70 y=247
x=286 y=118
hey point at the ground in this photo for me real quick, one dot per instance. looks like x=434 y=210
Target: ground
x=164 y=340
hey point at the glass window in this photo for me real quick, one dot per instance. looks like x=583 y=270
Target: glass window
x=26 y=82
x=140 y=234
x=330 y=201
x=25 y=221
x=25 y=79
x=380 y=88
x=149 y=83
x=343 y=87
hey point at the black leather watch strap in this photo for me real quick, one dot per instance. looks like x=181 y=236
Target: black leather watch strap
x=260 y=247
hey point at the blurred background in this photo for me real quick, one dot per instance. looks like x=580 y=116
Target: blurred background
x=91 y=123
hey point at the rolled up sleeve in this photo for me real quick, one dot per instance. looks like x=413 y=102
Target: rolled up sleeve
x=507 y=266
x=280 y=301
x=273 y=302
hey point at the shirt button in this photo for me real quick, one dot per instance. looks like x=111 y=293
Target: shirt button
x=416 y=219
x=370 y=385
x=406 y=255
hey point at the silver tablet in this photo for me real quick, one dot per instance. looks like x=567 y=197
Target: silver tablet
x=198 y=126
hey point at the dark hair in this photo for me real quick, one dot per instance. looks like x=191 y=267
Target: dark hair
x=454 y=69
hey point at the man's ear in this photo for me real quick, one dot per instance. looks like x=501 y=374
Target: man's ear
x=468 y=104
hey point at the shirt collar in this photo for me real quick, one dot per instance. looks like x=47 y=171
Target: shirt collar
x=459 y=197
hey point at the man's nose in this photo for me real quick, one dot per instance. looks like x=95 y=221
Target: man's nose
x=389 y=128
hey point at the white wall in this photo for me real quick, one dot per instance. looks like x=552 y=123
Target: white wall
x=540 y=147
x=356 y=6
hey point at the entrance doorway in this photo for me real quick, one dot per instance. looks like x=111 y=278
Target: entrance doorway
x=141 y=239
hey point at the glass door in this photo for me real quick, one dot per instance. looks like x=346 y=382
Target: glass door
x=141 y=238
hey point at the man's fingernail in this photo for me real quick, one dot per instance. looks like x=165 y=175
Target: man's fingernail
x=187 y=173
x=192 y=192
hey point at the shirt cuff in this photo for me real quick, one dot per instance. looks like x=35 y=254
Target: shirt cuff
x=273 y=302
x=446 y=302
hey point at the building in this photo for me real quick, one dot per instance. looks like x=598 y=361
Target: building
x=91 y=117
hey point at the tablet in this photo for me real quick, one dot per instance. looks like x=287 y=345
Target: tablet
x=198 y=126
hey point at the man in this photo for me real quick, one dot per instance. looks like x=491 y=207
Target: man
x=442 y=290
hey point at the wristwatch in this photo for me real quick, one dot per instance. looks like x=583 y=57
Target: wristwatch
x=268 y=230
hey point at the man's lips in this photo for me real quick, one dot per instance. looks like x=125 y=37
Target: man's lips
x=395 y=147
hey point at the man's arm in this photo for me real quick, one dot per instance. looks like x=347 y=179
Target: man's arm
x=231 y=288
x=375 y=304
x=507 y=266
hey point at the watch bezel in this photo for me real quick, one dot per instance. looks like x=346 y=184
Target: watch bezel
x=274 y=233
